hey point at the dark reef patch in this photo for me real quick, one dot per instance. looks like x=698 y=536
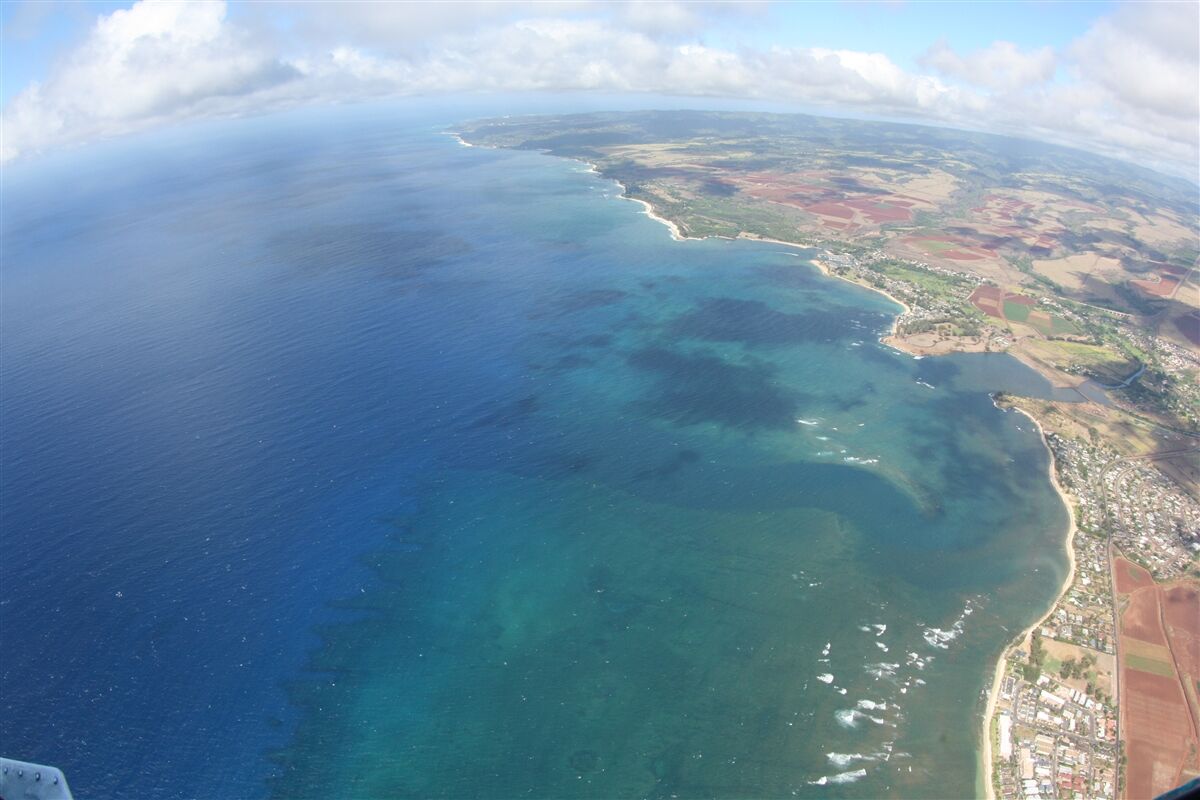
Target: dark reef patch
x=729 y=319
x=699 y=387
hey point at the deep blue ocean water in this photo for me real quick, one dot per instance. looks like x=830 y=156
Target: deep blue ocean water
x=341 y=460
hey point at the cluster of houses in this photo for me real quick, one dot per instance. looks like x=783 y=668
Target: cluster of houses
x=1153 y=521
x=1180 y=364
x=1149 y=517
x=1054 y=741
x=1085 y=616
x=925 y=309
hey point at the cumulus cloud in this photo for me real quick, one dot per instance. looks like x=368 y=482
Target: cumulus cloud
x=1146 y=58
x=1128 y=87
x=153 y=62
x=1001 y=66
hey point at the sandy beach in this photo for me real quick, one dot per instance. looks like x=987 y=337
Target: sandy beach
x=998 y=672
x=825 y=270
x=897 y=343
x=893 y=341
x=676 y=233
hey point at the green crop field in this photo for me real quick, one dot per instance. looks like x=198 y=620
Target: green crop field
x=1151 y=665
x=932 y=246
x=1016 y=311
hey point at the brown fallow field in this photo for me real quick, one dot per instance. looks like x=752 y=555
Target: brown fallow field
x=1159 y=636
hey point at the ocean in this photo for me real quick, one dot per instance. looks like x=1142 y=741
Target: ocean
x=338 y=459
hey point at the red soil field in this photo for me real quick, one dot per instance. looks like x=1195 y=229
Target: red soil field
x=1160 y=288
x=1130 y=576
x=1174 y=269
x=1140 y=620
x=961 y=255
x=1158 y=733
x=880 y=212
x=831 y=210
x=1020 y=300
x=1158 y=723
x=1181 y=608
x=889 y=214
x=987 y=300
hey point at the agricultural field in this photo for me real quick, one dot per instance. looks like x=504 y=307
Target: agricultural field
x=1036 y=216
x=1014 y=307
x=1083 y=268
x=1159 y=650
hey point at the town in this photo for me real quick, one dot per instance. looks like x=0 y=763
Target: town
x=1055 y=728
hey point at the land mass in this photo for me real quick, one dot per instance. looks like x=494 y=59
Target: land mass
x=1082 y=267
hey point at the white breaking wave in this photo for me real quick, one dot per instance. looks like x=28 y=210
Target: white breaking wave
x=841 y=777
x=880 y=628
x=940 y=637
x=871 y=705
x=825 y=677
x=846 y=759
x=882 y=646
x=882 y=670
x=849 y=717
x=808 y=422
x=828 y=647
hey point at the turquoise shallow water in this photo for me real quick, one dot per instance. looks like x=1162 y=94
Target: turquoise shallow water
x=726 y=543
x=572 y=508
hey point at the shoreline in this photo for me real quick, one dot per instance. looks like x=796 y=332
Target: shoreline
x=984 y=774
x=824 y=269
x=1068 y=581
x=985 y=750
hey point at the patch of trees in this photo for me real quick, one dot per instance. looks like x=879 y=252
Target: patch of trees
x=1037 y=657
x=1076 y=669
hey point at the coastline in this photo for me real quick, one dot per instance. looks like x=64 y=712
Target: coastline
x=676 y=233
x=984 y=774
x=998 y=672
x=985 y=751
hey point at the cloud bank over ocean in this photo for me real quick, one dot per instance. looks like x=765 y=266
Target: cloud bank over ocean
x=1127 y=87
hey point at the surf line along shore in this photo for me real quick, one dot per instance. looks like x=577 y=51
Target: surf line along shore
x=998 y=674
x=984 y=774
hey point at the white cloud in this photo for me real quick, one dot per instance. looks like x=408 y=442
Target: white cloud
x=1147 y=58
x=1000 y=66
x=1128 y=87
x=153 y=62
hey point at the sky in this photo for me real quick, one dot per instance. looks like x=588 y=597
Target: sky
x=1120 y=79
